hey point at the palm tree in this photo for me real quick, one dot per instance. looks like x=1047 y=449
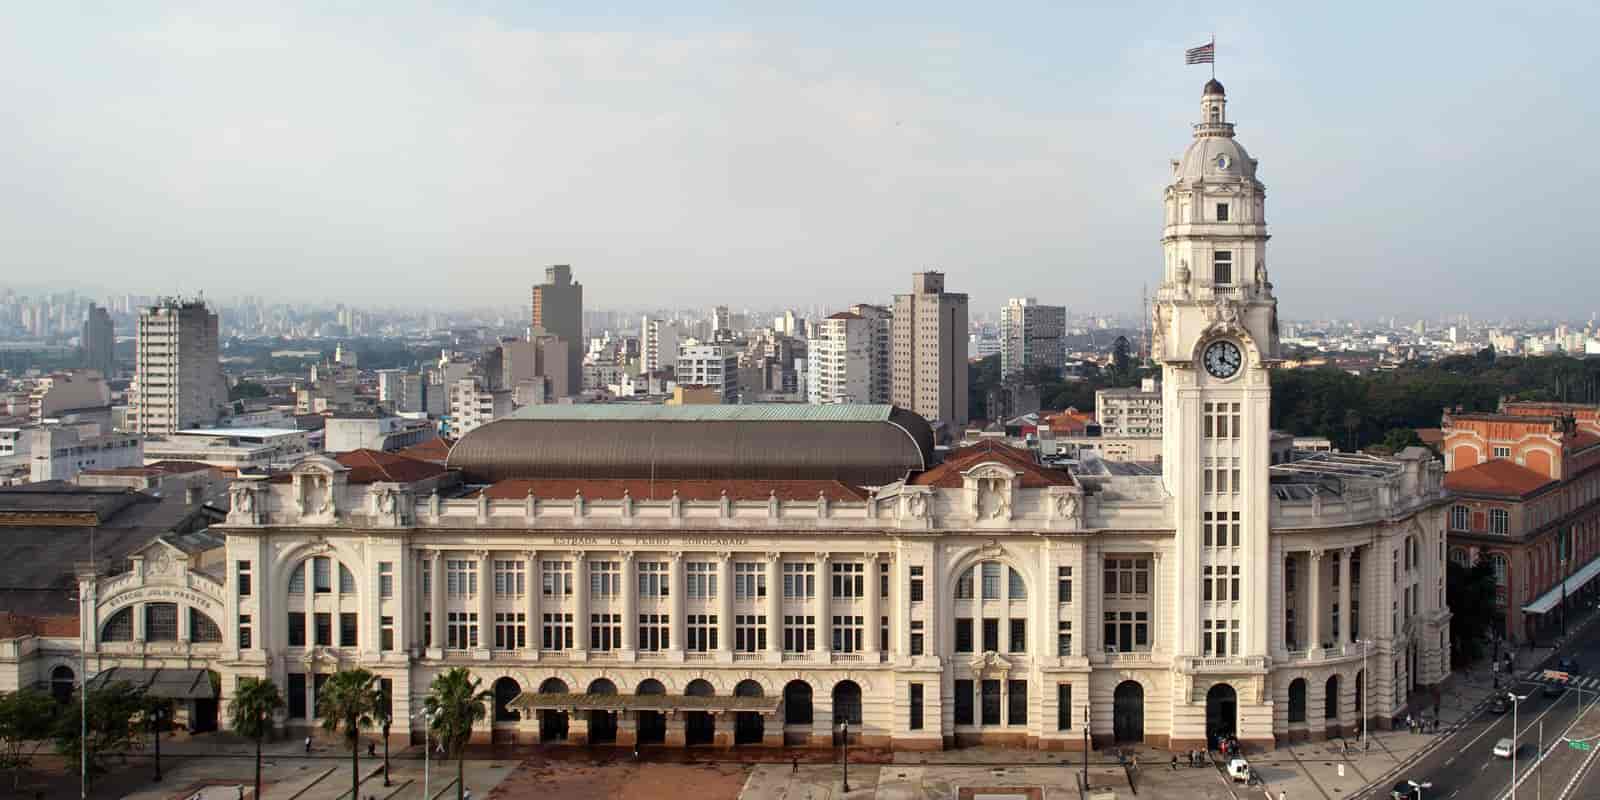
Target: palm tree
x=250 y=714
x=348 y=699
x=454 y=705
x=383 y=715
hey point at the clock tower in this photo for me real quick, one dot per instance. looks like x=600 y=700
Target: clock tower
x=1215 y=335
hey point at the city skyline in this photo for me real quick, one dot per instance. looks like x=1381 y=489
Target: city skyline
x=299 y=153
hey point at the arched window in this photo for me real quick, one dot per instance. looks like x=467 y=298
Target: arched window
x=202 y=629
x=1216 y=114
x=1297 y=700
x=988 y=579
x=797 y=703
x=1017 y=589
x=505 y=691
x=1459 y=557
x=1330 y=698
x=650 y=686
x=61 y=684
x=161 y=622
x=847 y=702
x=297 y=579
x=347 y=581
x=699 y=687
x=964 y=585
x=119 y=628
x=602 y=686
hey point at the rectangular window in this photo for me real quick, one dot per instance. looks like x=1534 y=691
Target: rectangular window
x=654 y=633
x=386 y=634
x=244 y=578
x=847 y=633
x=883 y=580
x=963 y=698
x=324 y=629
x=1016 y=589
x=1063 y=706
x=1235 y=527
x=883 y=633
x=347 y=580
x=244 y=632
x=427 y=578
x=1499 y=521
x=799 y=581
x=510 y=631
x=1127 y=576
x=1235 y=583
x=510 y=578
x=991 y=580
x=991 y=635
x=556 y=632
x=461 y=630
x=749 y=633
x=1019 y=636
x=321 y=570
x=1222 y=267
x=963 y=634
x=749 y=580
x=1016 y=702
x=1064 y=638
x=605 y=579
x=557 y=579
x=848 y=581
x=916 y=584
x=386 y=579
x=700 y=578
x=916 y=637
x=1127 y=631
x=1502 y=452
x=296 y=695
x=1206 y=594
x=991 y=702
x=916 y=706
x=701 y=633
x=427 y=629
x=347 y=630
x=654 y=579
x=799 y=633
x=1064 y=584
x=605 y=632
x=297 y=580
x=461 y=578
x=1222 y=212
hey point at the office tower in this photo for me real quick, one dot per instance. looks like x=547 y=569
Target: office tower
x=1030 y=337
x=558 y=311
x=178 y=380
x=930 y=351
x=98 y=342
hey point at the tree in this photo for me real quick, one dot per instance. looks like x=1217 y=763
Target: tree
x=384 y=715
x=348 y=700
x=1470 y=593
x=455 y=703
x=110 y=715
x=247 y=389
x=27 y=717
x=1121 y=357
x=250 y=713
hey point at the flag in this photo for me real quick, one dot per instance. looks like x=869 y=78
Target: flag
x=1204 y=54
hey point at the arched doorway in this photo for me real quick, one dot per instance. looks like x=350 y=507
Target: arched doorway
x=1297 y=700
x=847 y=709
x=552 y=723
x=506 y=690
x=747 y=726
x=61 y=684
x=602 y=723
x=1330 y=699
x=698 y=726
x=652 y=724
x=1127 y=712
x=1222 y=713
x=1361 y=704
x=797 y=712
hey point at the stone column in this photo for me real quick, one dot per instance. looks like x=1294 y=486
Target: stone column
x=873 y=645
x=1314 y=618
x=775 y=609
x=580 y=605
x=1346 y=557
x=822 y=604
x=436 y=603
x=485 y=602
x=725 y=609
x=1157 y=618
x=630 y=613
x=534 y=587
x=675 y=625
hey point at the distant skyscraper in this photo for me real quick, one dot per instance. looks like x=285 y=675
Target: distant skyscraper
x=558 y=311
x=658 y=344
x=98 y=340
x=837 y=360
x=879 y=362
x=1030 y=337
x=930 y=351
x=178 y=380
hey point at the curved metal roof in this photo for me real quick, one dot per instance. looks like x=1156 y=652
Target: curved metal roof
x=858 y=445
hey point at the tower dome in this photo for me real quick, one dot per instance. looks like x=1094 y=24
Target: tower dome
x=1213 y=86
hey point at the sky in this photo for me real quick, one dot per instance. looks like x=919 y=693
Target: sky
x=1419 y=157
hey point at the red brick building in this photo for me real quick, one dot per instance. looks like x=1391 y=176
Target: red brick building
x=1526 y=486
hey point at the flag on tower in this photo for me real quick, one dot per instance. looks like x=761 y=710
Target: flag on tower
x=1204 y=54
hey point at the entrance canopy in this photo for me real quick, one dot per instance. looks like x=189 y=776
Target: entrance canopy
x=534 y=701
x=167 y=684
x=1549 y=599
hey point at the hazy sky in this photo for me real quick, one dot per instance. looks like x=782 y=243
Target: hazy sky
x=1419 y=157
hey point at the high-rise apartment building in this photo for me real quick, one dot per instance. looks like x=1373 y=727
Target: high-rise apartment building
x=838 y=360
x=930 y=350
x=98 y=341
x=880 y=321
x=714 y=366
x=178 y=380
x=658 y=344
x=1031 y=337
x=558 y=311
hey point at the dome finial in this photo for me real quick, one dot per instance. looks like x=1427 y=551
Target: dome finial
x=1213 y=87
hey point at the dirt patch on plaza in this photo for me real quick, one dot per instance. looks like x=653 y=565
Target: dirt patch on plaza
x=622 y=779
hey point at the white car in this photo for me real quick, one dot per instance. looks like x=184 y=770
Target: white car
x=1502 y=748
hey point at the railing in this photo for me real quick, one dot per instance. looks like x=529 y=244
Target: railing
x=848 y=658
x=788 y=657
x=698 y=656
x=747 y=657
x=652 y=655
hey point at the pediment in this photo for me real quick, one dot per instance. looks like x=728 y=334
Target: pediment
x=317 y=465
x=990 y=469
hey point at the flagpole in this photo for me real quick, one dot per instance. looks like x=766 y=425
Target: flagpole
x=1213 y=56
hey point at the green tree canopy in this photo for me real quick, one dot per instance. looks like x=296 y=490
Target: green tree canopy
x=111 y=713
x=454 y=704
x=27 y=719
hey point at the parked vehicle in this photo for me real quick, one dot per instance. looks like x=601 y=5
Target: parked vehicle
x=1499 y=705
x=1503 y=748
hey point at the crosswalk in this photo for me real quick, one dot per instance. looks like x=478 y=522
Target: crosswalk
x=1585 y=682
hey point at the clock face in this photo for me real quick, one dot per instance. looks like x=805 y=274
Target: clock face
x=1222 y=161
x=1223 y=359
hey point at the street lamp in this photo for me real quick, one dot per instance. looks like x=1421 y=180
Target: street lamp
x=1418 y=787
x=1086 y=747
x=844 y=728
x=426 y=724
x=1366 y=644
x=155 y=725
x=1515 y=700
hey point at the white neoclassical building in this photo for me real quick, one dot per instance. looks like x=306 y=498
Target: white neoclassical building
x=756 y=574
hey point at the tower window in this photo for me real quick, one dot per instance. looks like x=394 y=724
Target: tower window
x=1222 y=267
x=1222 y=212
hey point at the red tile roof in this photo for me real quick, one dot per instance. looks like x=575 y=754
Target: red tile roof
x=369 y=466
x=645 y=489
x=1499 y=477
x=1581 y=440
x=435 y=450
x=14 y=625
x=1034 y=475
x=1071 y=422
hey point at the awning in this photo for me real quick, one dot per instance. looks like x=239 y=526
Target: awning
x=168 y=684
x=560 y=701
x=1549 y=599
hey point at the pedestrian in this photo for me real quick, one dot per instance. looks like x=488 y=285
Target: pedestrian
x=308 y=745
x=1283 y=795
x=372 y=749
x=1174 y=762
x=795 y=762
